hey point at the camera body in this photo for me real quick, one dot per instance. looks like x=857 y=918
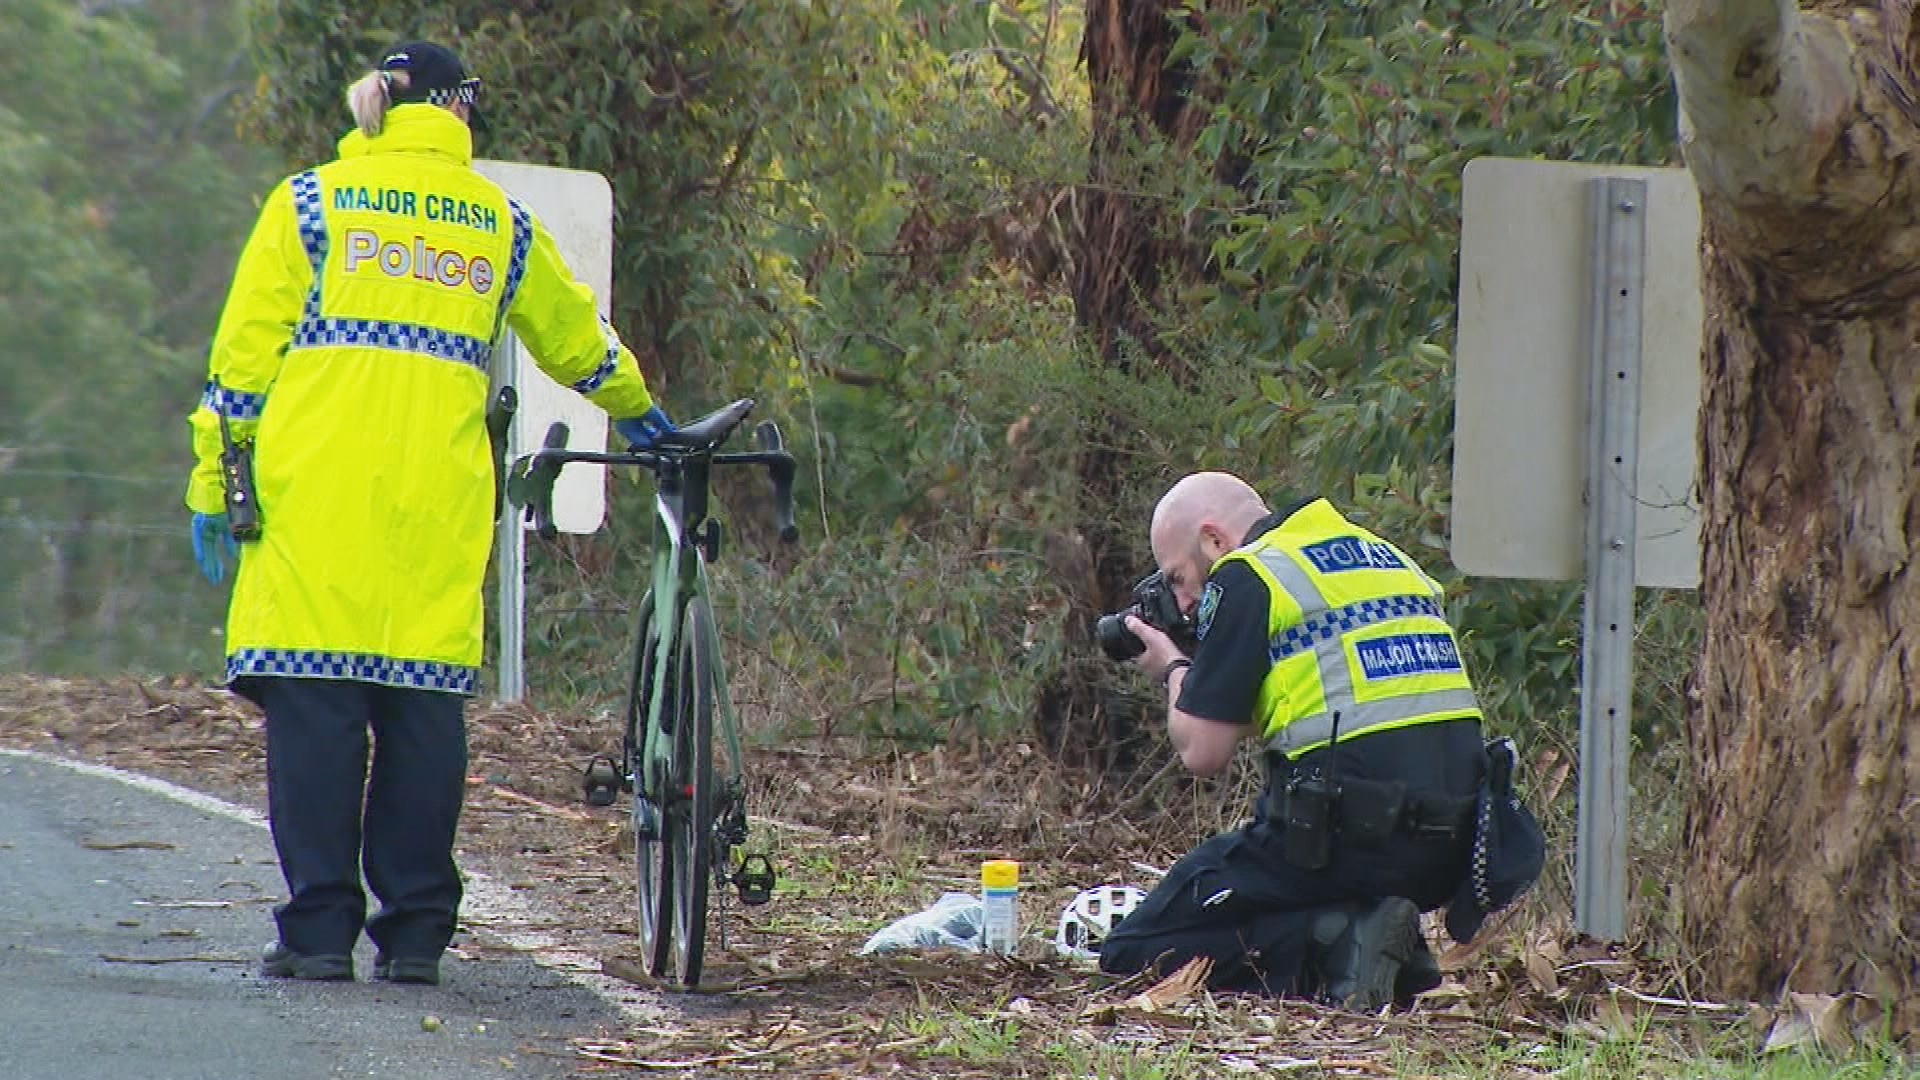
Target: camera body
x=1154 y=604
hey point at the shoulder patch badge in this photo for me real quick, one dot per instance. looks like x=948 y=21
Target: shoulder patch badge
x=1203 y=615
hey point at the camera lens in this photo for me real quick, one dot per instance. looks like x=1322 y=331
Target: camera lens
x=1118 y=642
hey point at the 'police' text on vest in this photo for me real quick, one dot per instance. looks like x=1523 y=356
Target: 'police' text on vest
x=1343 y=553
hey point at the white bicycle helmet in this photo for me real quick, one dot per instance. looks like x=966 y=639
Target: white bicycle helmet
x=1091 y=916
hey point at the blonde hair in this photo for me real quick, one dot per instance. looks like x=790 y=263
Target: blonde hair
x=371 y=96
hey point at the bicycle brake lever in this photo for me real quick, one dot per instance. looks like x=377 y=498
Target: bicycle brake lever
x=767 y=438
x=533 y=480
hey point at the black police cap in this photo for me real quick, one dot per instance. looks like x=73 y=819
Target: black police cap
x=434 y=75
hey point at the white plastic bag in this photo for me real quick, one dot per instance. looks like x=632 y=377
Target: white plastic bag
x=952 y=922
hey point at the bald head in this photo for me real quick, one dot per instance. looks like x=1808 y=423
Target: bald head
x=1201 y=517
x=1208 y=498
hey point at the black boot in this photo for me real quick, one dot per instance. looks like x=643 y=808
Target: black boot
x=1360 y=950
x=279 y=962
x=1418 y=975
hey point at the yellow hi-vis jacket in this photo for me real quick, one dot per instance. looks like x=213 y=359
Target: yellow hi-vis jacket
x=354 y=349
x=1356 y=632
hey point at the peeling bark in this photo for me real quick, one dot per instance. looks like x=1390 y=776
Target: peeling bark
x=1800 y=130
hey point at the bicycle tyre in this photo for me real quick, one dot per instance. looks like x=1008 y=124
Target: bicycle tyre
x=690 y=820
x=652 y=859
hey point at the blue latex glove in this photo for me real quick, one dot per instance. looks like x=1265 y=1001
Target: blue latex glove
x=213 y=545
x=643 y=430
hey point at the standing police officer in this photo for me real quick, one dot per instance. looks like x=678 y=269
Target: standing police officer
x=353 y=358
x=1331 y=645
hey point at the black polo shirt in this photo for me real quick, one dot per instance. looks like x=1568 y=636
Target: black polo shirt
x=1231 y=661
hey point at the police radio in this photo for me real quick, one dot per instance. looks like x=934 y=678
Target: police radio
x=236 y=476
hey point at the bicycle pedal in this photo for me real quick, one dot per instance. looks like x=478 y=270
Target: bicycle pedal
x=754 y=878
x=601 y=781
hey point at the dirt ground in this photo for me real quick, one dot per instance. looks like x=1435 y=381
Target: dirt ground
x=861 y=840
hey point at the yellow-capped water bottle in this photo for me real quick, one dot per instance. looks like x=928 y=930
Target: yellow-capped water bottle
x=1000 y=894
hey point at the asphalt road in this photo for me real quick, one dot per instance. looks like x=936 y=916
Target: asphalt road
x=130 y=927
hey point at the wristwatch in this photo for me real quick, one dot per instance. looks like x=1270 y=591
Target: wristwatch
x=1165 y=678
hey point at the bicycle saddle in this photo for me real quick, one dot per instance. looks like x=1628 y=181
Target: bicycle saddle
x=707 y=432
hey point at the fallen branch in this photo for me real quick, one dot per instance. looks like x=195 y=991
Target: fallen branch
x=527 y=800
x=114 y=959
x=1324 y=1064
x=622 y=968
x=792 y=826
x=1672 y=1003
x=126 y=845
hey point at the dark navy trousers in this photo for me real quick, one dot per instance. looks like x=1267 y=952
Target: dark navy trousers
x=341 y=803
x=1236 y=899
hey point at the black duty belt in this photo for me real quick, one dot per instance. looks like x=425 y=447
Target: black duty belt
x=1363 y=810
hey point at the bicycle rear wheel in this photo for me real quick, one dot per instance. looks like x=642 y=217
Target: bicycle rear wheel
x=652 y=855
x=689 y=818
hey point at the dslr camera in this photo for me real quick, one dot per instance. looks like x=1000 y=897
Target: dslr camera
x=1153 y=604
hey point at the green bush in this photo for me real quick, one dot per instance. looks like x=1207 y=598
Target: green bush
x=864 y=214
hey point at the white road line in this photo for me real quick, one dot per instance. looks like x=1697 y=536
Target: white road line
x=487 y=906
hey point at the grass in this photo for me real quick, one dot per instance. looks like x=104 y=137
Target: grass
x=826 y=893
x=977 y=1042
x=1084 y=1057
x=1006 y=1045
x=1624 y=1059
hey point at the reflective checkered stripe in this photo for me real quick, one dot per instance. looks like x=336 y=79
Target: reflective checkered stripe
x=1418 y=642
x=235 y=405
x=446 y=96
x=516 y=262
x=395 y=337
x=360 y=667
x=308 y=213
x=1477 y=867
x=607 y=367
x=1326 y=626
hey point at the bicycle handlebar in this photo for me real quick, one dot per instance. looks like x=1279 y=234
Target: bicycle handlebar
x=533 y=476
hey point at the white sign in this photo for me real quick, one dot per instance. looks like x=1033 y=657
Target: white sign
x=577 y=208
x=1524 y=359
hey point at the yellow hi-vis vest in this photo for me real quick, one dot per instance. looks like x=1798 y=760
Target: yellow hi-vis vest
x=1356 y=633
x=354 y=349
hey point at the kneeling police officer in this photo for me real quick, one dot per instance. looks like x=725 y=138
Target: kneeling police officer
x=1332 y=646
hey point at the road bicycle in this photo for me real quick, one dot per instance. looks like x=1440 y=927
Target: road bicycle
x=689 y=811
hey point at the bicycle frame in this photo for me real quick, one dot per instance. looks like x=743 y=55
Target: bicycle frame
x=678 y=798
x=679 y=576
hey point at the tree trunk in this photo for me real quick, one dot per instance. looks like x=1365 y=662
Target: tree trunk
x=1804 y=818
x=1128 y=258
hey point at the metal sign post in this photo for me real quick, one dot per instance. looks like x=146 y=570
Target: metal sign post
x=1618 y=215
x=1577 y=405
x=510 y=554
